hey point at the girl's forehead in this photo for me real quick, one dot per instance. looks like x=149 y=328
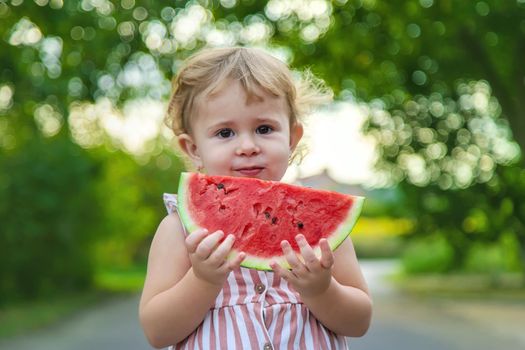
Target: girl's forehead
x=235 y=95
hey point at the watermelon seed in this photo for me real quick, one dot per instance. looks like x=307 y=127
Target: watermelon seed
x=300 y=225
x=220 y=186
x=274 y=220
x=267 y=214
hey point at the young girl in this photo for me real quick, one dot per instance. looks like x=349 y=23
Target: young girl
x=236 y=112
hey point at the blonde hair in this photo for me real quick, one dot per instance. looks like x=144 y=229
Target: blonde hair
x=206 y=71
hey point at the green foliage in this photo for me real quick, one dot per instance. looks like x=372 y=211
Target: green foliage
x=494 y=258
x=485 y=214
x=48 y=213
x=126 y=187
x=443 y=81
x=429 y=254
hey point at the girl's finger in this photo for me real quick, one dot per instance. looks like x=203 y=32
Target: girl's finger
x=284 y=273
x=194 y=238
x=236 y=261
x=311 y=261
x=218 y=256
x=208 y=244
x=327 y=256
x=291 y=257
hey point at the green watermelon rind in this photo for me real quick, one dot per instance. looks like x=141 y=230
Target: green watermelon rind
x=182 y=196
x=254 y=262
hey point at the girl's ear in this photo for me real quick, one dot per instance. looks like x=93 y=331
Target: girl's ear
x=188 y=146
x=296 y=133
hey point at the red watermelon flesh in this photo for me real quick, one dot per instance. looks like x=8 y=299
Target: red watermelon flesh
x=263 y=213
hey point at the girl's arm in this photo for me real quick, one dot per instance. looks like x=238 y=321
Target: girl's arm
x=177 y=296
x=345 y=307
x=332 y=287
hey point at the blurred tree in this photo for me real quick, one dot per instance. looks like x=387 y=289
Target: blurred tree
x=443 y=80
x=444 y=84
x=49 y=215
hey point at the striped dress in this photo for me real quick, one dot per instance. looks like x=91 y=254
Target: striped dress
x=257 y=310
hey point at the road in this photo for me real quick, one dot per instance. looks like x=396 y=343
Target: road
x=399 y=322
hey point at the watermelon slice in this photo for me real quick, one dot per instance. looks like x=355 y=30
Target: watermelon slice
x=263 y=213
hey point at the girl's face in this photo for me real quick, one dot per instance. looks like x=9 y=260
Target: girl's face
x=239 y=136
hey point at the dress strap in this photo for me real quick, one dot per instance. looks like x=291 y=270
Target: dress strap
x=171 y=203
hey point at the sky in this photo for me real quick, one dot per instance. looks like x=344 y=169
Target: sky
x=335 y=142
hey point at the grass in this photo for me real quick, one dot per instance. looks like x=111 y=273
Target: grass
x=121 y=280
x=18 y=318
x=379 y=237
x=509 y=286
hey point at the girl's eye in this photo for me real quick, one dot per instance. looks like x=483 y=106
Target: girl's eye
x=225 y=133
x=264 y=129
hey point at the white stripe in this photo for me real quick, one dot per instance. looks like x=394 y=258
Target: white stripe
x=230 y=333
x=234 y=288
x=273 y=324
x=206 y=330
x=216 y=329
x=307 y=330
x=300 y=325
x=286 y=288
x=286 y=331
x=219 y=299
x=273 y=291
x=324 y=333
x=261 y=339
x=249 y=285
x=342 y=342
x=243 y=330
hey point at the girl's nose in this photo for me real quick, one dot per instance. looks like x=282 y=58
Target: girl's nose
x=247 y=146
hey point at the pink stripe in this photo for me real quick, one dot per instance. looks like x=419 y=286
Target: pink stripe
x=213 y=344
x=292 y=326
x=276 y=281
x=304 y=315
x=235 y=326
x=319 y=338
x=292 y=295
x=256 y=279
x=182 y=344
x=199 y=335
x=278 y=328
x=342 y=342
x=190 y=341
x=250 y=327
x=241 y=286
x=268 y=316
x=223 y=333
x=258 y=317
x=282 y=287
x=333 y=340
x=226 y=292
x=248 y=287
x=327 y=335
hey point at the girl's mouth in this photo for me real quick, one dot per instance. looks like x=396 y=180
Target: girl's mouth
x=251 y=171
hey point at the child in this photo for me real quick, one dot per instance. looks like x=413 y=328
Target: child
x=236 y=112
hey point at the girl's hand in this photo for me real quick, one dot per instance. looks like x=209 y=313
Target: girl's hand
x=208 y=257
x=309 y=276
